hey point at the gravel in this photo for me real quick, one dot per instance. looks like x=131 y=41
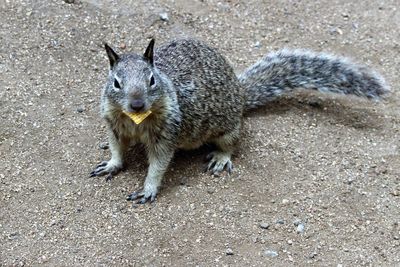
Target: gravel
x=336 y=160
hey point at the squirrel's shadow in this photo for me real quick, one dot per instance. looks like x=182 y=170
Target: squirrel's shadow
x=349 y=111
x=184 y=165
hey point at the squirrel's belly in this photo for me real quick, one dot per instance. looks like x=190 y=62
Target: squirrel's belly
x=195 y=138
x=189 y=145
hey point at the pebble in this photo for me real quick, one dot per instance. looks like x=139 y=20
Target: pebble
x=297 y=222
x=271 y=253
x=210 y=190
x=285 y=201
x=229 y=251
x=336 y=31
x=164 y=16
x=257 y=44
x=80 y=109
x=313 y=255
x=300 y=228
x=264 y=225
x=280 y=221
x=122 y=46
x=104 y=145
x=69 y=1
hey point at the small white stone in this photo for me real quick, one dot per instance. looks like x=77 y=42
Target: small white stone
x=164 y=16
x=229 y=251
x=300 y=228
x=271 y=253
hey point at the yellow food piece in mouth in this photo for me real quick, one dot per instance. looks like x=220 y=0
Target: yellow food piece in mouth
x=138 y=117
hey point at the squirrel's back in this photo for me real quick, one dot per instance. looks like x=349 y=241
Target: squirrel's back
x=200 y=72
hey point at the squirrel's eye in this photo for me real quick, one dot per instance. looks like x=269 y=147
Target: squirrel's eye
x=116 y=84
x=152 y=81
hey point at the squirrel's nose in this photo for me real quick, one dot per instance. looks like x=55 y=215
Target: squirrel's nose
x=137 y=105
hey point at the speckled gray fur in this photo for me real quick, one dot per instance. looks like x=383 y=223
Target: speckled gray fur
x=282 y=71
x=196 y=98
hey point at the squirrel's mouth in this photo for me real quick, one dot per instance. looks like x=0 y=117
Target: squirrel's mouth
x=137 y=117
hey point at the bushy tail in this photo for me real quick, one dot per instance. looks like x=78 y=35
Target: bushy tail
x=281 y=72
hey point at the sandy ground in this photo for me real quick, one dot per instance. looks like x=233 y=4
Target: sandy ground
x=316 y=178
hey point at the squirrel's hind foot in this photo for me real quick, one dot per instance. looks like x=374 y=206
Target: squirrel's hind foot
x=218 y=162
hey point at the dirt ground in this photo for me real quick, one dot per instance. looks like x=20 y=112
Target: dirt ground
x=316 y=178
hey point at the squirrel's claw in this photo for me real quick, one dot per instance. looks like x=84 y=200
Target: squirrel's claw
x=133 y=196
x=106 y=167
x=109 y=177
x=141 y=197
x=219 y=161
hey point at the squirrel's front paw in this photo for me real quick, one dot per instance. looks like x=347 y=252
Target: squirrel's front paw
x=144 y=195
x=107 y=167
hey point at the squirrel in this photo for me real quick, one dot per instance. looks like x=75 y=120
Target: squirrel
x=195 y=97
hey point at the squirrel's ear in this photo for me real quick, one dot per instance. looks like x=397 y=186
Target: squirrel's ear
x=112 y=56
x=148 y=55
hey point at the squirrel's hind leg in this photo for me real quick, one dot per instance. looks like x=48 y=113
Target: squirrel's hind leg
x=220 y=159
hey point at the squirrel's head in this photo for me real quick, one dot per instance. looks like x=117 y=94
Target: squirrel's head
x=133 y=80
